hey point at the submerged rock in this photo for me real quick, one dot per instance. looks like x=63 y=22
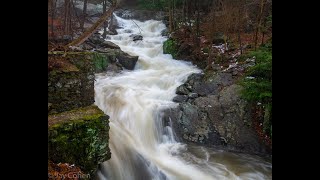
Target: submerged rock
x=136 y=37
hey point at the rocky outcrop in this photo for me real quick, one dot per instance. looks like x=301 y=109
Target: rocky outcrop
x=212 y=113
x=77 y=130
x=79 y=137
x=71 y=85
x=111 y=58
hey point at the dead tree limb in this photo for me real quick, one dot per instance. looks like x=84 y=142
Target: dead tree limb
x=93 y=28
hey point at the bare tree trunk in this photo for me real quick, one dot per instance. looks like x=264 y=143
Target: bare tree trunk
x=239 y=39
x=76 y=14
x=67 y=17
x=189 y=14
x=198 y=19
x=264 y=31
x=258 y=24
x=105 y=25
x=170 y=17
x=84 y=14
x=239 y=27
x=184 y=11
x=70 y=19
x=173 y=14
x=53 y=8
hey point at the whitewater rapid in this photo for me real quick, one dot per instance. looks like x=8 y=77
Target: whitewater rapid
x=142 y=148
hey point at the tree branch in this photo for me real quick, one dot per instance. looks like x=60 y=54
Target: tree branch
x=93 y=28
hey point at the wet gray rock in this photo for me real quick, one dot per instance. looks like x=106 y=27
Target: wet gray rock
x=165 y=32
x=127 y=61
x=195 y=77
x=182 y=90
x=136 y=37
x=229 y=98
x=108 y=44
x=113 y=67
x=189 y=117
x=217 y=117
x=193 y=95
x=206 y=88
x=224 y=79
x=180 y=98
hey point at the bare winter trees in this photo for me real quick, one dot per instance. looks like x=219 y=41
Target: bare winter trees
x=67 y=18
x=84 y=13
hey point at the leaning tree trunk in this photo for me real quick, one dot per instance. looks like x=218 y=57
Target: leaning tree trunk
x=93 y=28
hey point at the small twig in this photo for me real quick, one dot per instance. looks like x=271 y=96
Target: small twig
x=137 y=26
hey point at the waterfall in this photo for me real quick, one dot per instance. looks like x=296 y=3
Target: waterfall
x=142 y=147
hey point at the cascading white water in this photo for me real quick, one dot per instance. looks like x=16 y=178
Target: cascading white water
x=141 y=147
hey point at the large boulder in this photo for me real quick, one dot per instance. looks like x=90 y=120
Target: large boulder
x=110 y=45
x=71 y=85
x=218 y=117
x=79 y=137
x=191 y=124
x=127 y=61
x=205 y=88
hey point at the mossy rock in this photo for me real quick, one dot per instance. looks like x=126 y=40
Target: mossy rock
x=170 y=47
x=79 y=137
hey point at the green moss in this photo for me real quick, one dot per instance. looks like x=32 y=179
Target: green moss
x=170 y=47
x=259 y=89
x=79 y=137
x=74 y=87
x=100 y=62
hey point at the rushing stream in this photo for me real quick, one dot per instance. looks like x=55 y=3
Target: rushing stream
x=142 y=148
